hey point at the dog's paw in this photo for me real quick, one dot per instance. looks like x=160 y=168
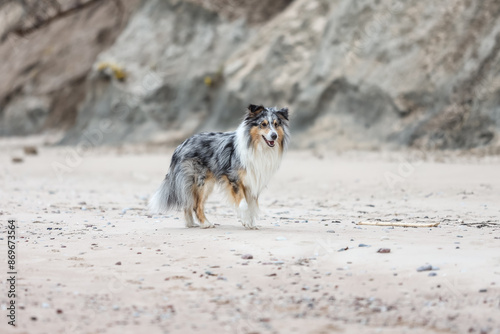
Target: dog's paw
x=249 y=225
x=207 y=224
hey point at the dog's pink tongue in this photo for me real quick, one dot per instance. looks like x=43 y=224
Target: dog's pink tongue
x=271 y=142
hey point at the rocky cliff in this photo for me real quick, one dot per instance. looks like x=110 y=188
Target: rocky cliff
x=353 y=73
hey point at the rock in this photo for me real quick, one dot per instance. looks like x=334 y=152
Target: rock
x=118 y=263
x=384 y=250
x=23 y=116
x=17 y=160
x=247 y=256
x=43 y=92
x=189 y=61
x=427 y=267
x=30 y=150
x=185 y=62
x=363 y=245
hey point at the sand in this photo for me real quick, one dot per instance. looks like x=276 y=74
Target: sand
x=92 y=260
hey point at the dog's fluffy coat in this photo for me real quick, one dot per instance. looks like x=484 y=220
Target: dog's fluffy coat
x=240 y=162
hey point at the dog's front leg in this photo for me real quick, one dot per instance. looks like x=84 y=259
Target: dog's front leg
x=248 y=211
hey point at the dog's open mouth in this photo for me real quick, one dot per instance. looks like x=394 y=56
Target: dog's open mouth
x=269 y=143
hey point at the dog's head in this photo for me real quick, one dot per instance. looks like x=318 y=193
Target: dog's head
x=267 y=127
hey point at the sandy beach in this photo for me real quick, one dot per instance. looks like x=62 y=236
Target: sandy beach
x=91 y=259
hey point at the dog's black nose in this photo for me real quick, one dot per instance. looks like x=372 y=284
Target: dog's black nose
x=274 y=136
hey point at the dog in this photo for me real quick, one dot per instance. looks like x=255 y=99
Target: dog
x=241 y=162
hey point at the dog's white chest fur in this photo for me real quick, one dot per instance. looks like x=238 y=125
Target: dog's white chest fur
x=260 y=164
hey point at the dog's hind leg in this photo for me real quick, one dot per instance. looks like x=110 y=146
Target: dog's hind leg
x=188 y=215
x=201 y=194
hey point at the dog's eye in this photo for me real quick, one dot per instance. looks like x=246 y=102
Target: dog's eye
x=264 y=124
x=275 y=124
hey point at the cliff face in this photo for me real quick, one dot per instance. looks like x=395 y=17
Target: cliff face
x=411 y=73
x=44 y=73
x=173 y=54
x=354 y=73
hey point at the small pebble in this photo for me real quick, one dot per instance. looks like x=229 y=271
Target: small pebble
x=432 y=274
x=426 y=267
x=384 y=250
x=30 y=150
x=363 y=245
x=118 y=263
x=247 y=256
x=483 y=290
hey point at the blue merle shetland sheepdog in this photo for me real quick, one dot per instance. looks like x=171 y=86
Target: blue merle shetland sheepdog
x=241 y=162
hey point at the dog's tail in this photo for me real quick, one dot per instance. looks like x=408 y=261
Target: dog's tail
x=176 y=190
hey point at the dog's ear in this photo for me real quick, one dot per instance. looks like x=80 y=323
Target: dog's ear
x=254 y=110
x=283 y=113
